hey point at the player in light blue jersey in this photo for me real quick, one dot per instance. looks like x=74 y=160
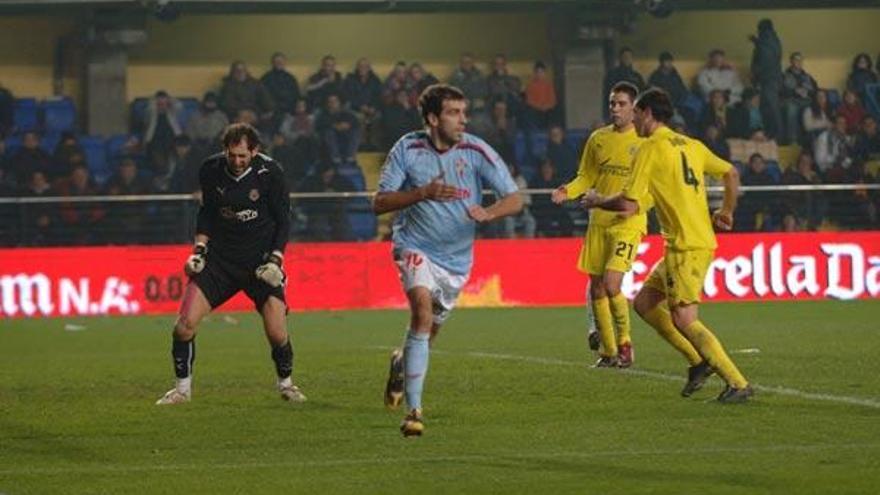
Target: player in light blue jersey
x=434 y=178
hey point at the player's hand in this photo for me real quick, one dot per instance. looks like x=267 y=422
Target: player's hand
x=196 y=261
x=591 y=199
x=479 y=214
x=437 y=190
x=723 y=219
x=271 y=271
x=559 y=195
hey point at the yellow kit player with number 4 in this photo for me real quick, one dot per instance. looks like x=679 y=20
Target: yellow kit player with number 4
x=668 y=174
x=612 y=241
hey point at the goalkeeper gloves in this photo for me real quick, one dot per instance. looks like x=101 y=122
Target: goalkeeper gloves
x=270 y=271
x=196 y=261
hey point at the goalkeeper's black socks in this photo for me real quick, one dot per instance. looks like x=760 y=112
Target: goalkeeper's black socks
x=184 y=353
x=283 y=357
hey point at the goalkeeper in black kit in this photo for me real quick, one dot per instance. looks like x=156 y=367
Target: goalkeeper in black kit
x=242 y=228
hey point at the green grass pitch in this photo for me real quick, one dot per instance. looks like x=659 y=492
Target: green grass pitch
x=511 y=406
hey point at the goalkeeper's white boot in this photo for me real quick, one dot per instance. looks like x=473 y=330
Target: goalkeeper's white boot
x=291 y=393
x=173 y=396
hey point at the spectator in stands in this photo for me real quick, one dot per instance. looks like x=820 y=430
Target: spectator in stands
x=185 y=164
x=861 y=76
x=206 y=124
x=41 y=220
x=281 y=85
x=802 y=210
x=716 y=142
x=719 y=74
x=295 y=164
x=363 y=92
x=81 y=221
x=767 y=76
x=501 y=84
x=755 y=203
x=817 y=118
x=30 y=158
x=241 y=91
x=497 y=128
x=327 y=220
x=7 y=112
x=417 y=79
x=561 y=153
x=64 y=156
x=797 y=93
x=522 y=222
x=128 y=181
x=540 y=99
x=339 y=130
x=468 y=78
x=161 y=125
x=326 y=81
x=666 y=77
x=745 y=117
x=399 y=118
x=852 y=110
x=396 y=81
x=4 y=162
x=623 y=71
x=299 y=132
x=716 y=112
x=833 y=149
x=8 y=185
x=126 y=222
x=867 y=141
x=550 y=220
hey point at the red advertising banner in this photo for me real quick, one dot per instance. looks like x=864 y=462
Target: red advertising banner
x=539 y=272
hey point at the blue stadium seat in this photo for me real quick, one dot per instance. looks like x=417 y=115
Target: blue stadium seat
x=96 y=157
x=577 y=137
x=25 y=116
x=774 y=170
x=137 y=112
x=362 y=219
x=872 y=93
x=13 y=144
x=59 y=115
x=833 y=98
x=190 y=106
x=49 y=141
x=355 y=175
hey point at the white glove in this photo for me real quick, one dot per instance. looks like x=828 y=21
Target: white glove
x=271 y=271
x=196 y=261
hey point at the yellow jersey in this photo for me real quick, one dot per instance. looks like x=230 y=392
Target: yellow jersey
x=668 y=175
x=606 y=166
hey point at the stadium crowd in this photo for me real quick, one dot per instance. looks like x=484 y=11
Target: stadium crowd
x=316 y=128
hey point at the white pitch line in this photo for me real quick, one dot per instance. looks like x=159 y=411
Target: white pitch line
x=363 y=461
x=773 y=389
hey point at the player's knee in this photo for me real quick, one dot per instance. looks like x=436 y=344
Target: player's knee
x=643 y=304
x=612 y=286
x=597 y=288
x=682 y=319
x=185 y=328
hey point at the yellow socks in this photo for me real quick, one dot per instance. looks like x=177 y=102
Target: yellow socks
x=602 y=313
x=709 y=346
x=620 y=312
x=659 y=318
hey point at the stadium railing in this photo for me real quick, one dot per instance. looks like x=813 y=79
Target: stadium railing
x=347 y=216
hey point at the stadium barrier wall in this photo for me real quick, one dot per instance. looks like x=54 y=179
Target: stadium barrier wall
x=329 y=276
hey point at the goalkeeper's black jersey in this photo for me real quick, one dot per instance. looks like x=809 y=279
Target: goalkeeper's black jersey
x=247 y=216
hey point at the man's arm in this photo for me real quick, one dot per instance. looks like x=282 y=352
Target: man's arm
x=436 y=190
x=723 y=218
x=619 y=203
x=508 y=205
x=279 y=208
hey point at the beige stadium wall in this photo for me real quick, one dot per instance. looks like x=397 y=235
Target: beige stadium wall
x=26 y=49
x=829 y=39
x=191 y=55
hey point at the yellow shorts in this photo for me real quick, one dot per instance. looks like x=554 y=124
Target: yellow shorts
x=609 y=249
x=681 y=274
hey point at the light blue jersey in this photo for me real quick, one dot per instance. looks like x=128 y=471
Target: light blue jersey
x=442 y=230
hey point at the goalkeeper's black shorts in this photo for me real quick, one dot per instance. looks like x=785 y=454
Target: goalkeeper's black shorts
x=221 y=279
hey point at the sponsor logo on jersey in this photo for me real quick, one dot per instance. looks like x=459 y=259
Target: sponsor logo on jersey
x=254 y=195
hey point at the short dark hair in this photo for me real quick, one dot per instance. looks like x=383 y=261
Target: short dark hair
x=658 y=102
x=234 y=133
x=432 y=98
x=664 y=56
x=716 y=51
x=626 y=87
x=624 y=50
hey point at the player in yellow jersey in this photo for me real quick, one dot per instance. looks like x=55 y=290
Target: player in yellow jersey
x=668 y=174
x=611 y=242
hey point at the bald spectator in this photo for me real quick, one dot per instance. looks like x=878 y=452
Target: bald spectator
x=468 y=78
x=281 y=85
x=326 y=81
